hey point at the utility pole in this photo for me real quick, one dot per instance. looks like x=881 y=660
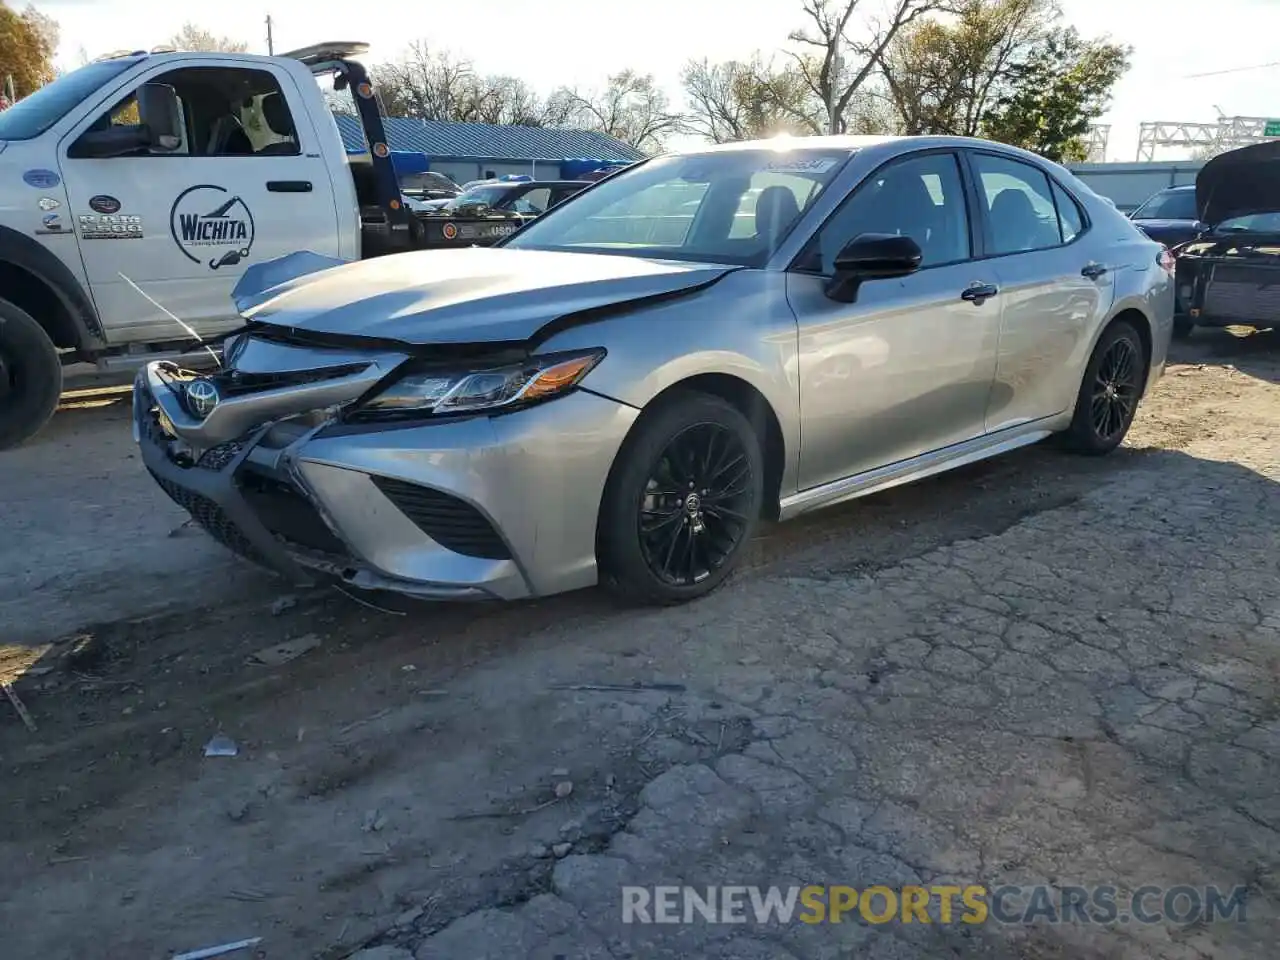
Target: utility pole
x=271 y=47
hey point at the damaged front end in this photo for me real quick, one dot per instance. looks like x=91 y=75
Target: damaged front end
x=1230 y=280
x=426 y=469
x=1230 y=273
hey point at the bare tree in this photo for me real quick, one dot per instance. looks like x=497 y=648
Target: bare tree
x=193 y=37
x=740 y=100
x=835 y=64
x=631 y=108
x=433 y=84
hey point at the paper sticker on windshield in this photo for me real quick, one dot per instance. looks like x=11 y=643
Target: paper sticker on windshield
x=793 y=165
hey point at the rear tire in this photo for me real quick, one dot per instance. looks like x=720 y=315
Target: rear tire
x=30 y=376
x=1183 y=327
x=1109 y=393
x=682 y=501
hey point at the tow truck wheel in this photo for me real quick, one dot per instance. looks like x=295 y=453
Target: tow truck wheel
x=1182 y=327
x=30 y=376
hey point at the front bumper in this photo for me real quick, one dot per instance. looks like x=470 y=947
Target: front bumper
x=498 y=507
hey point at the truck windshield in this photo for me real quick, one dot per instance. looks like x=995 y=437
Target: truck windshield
x=33 y=115
x=734 y=207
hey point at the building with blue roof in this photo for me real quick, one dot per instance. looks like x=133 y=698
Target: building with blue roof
x=472 y=151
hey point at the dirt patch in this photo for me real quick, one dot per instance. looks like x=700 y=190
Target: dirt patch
x=408 y=761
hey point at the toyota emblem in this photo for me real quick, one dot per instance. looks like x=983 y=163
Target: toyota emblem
x=202 y=397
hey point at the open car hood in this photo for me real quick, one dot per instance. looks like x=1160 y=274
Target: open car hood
x=1239 y=183
x=472 y=295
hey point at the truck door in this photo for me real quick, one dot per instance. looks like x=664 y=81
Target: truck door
x=174 y=231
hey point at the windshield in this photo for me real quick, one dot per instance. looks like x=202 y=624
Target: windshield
x=33 y=115
x=732 y=207
x=1168 y=205
x=487 y=196
x=1254 y=223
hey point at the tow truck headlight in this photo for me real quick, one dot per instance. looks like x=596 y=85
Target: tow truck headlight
x=442 y=393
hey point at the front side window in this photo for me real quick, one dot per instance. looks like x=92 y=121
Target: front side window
x=918 y=197
x=223 y=111
x=1020 y=207
x=729 y=206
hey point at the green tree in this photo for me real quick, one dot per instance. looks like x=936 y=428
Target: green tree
x=1062 y=85
x=943 y=77
x=28 y=41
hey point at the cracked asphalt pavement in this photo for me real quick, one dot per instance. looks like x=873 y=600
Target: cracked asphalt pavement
x=1039 y=671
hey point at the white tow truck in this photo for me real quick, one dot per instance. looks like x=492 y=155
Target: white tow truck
x=135 y=191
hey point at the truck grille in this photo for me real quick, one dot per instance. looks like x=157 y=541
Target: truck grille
x=1243 y=293
x=450 y=522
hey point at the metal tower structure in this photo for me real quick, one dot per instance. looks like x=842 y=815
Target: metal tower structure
x=1096 y=142
x=1204 y=139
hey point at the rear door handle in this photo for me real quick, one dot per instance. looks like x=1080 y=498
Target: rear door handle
x=979 y=293
x=289 y=186
x=1093 y=271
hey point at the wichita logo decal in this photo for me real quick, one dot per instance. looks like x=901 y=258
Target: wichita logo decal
x=210 y=224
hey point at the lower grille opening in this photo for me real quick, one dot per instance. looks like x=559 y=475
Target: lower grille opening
x=288 y=514
x=211 y=518
x=450 y=522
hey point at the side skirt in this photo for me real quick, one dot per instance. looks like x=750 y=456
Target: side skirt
x=917 y=468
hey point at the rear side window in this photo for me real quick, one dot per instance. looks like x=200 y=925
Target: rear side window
x=1020 y=207
x=1069 y=215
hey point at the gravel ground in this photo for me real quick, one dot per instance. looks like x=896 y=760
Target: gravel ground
x=1041 y=669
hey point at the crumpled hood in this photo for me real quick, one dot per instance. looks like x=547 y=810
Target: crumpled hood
x=1239 y=183
x=454 y=296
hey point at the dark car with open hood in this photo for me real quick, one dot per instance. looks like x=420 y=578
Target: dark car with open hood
x=1230 y=273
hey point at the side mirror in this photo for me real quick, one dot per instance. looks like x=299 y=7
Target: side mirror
x=112 y=142
x=872 y=256
x=160 y=116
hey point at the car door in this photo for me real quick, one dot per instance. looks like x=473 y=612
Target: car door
x=173 y=232
x=906 y=368
x=1053 y=288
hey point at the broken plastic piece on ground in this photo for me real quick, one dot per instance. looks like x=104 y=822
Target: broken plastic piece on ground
x=221 y=746
x=218 y=951
x=284 y=652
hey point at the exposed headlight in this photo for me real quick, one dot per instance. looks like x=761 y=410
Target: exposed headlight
x=441 y=393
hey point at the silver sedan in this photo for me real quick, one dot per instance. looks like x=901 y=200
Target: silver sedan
x=623 y=389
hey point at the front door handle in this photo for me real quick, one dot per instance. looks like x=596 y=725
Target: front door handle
x=979 y=293
x=1093 y=270
x=289 y=186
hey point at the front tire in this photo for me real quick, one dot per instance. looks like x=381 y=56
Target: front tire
x=1109 y=393
x=30 y=376
x=682 y=501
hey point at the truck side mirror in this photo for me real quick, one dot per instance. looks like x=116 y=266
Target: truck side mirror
x=158 y=111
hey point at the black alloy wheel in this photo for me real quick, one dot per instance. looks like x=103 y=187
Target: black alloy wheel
x=1108 y=397
x=1115 y=389
x=682 y=500
x=691 y=517
x=30 y=376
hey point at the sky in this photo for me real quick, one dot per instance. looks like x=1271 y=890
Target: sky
x=550 y=43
